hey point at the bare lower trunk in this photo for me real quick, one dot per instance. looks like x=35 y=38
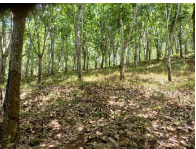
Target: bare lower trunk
x=3 y=63
x=135 y=54
x=84 y=62
x=32 y=66
x=102 y=60
x=109 y=59
x=52 y=51
x=87 y=64
x=128 y=55
x=122 y=64
x=139 y=50
x=106 y=54
x=27 y=67
x=95 y=62
x=12 y=98
x=186 y=48
x=79 y=65
x=180 y=42
x=40 y=69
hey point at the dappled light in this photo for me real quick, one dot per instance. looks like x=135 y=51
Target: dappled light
x=97 y=76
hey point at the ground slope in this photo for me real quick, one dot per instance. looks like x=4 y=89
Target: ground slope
x=142 y=111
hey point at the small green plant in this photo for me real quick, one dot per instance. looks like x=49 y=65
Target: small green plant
x=133 y=145
x=159 y=109
x=7 y=138
x=99 y=113
x=28 y=126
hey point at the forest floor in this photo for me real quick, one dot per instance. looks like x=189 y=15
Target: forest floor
x=142 y=111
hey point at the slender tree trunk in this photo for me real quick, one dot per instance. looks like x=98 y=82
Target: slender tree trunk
x=87 y=64
x=32 y=64
x=40 y=69
x=128 y=55
x=140 y=49
x=147 y=45
x=106 y=53
x=180 y=42
x=173 y=39
x=66 y=55
x=52 y=50
x=96 y=61
x=84 y=57
x=177 y=47
x=102 y=59
x=12 y=98
x=124 y=45
x=27 y=67
x=5 y=46
x=135 y=53
x=186 y=48
x=3 y=63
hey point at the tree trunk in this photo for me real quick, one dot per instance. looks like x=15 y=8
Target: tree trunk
x=135 y=53
x=96 y=61
x=87 y=64
x=84 y=57
x=106 y=53
x=102 y=60
x=32 y=64
x=128 y=55
x=124 y=45
x=5 y=46
x=66 y=55
x=180 y=42
x=40 y=69
x=12 y=98
x=186 y=48
x=27 y=67
x=3 y=64
x=173 y=39
x=140 y=49
x=52 y=50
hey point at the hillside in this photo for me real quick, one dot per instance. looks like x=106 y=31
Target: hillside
x=143 y=111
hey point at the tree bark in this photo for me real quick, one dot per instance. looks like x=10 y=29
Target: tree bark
x=78 y=27
x=128 y=55
x=135 y=53
x=5 y=46
x=52 y=50
x=173 y=39
x=180 y=42
x=12 y=98
x=40 y=69
x=27 y=66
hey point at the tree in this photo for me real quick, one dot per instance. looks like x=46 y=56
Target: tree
x=12 y=98
x=78 y=27
x=193 y=17
x=46 y=23
x=5 y=44
x=125 y=44
x=169 y=47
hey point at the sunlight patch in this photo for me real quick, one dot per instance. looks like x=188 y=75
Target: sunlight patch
x=55 y=125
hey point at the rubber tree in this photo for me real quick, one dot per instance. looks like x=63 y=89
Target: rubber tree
x=5 y=44
x=78 y=27
x=170 y=46
x=11 y=103
x=125 y=44
x=39 y=51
